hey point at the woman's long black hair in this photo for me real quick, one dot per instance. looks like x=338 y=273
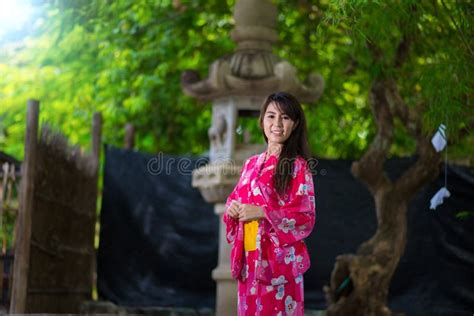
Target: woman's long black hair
x=295 y=145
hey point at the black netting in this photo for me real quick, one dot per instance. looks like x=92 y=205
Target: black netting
x=159 y=238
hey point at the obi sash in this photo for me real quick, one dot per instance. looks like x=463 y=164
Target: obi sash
x=250 y=235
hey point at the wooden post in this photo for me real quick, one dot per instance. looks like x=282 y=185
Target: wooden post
x=96 y=145
x=3 y=188
x=96 y=136
x=129 y=142
x=23 y=236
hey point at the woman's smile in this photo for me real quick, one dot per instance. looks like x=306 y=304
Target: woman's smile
x=277 y=125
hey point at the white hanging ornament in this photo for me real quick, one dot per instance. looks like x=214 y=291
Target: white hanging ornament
x=439 y=142
x=439 y=139
x=438 y=198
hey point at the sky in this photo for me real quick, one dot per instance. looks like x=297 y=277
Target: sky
x=17 y=19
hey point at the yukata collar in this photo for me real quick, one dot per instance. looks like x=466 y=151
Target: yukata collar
x=258 y=165
x=260 y=161
x=261 y=158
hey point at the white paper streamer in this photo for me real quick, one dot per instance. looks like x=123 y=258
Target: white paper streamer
x=438 y=198
x=439 y=142
x=439 y=139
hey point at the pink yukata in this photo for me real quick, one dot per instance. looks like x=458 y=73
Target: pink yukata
x=270 y=278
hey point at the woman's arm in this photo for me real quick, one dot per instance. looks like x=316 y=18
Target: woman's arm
x=232 y=223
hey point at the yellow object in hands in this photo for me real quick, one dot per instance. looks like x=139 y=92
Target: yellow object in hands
x=250 y=235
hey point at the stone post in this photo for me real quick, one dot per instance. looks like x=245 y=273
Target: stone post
x=226 y=288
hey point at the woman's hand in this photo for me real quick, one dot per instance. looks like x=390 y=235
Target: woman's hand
x=233 y=209
x=249 y=212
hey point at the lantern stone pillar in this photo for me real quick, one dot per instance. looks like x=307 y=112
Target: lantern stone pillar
x=237 y=85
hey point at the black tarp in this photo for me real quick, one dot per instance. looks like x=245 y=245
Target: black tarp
x=158 y=240
x=158 y=237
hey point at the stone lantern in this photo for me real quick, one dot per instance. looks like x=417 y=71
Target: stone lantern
x=237 y=85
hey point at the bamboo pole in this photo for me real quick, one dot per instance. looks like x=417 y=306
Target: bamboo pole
x=3 y=190
x=96 y=145
x=129 y=142
x=23 y=224
x=96 y=136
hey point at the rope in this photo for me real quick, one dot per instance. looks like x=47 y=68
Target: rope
x=446 y=151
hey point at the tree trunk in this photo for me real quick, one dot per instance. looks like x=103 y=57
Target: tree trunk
x=371 y=269
x=359 y=283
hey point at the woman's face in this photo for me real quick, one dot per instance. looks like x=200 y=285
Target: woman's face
x=277 y=125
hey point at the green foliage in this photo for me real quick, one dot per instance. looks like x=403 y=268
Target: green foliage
x=464 y=214
x=435 y=75
x=125 y=58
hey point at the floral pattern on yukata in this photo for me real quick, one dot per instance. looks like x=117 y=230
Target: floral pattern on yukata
x=270 y=278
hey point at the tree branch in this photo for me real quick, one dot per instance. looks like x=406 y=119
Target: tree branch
x=425 y=169
x=375 y=51
x=463 y=132
x=459 y=31
x=370 y=168
x=403 y=50
x=409 y=116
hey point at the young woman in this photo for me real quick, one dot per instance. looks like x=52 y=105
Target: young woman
x=269 y=213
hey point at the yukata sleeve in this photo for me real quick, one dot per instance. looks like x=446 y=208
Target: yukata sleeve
x=232 y=224
x=292 y=219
